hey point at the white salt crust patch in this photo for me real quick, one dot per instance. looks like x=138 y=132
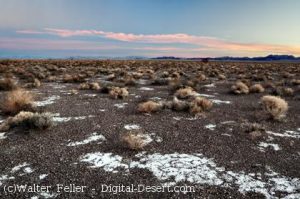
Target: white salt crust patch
x=92 y=138
x=43 y=176
x=196 y=168
x=155 y=98
x=107 y=161
x=2 y=136
x=121 y=105
x=49 y=100
x=146 y=89
x=210 y=126
x=264 y=145
x=215 y=101
x=57 y=118
x=131 y=126
x=183 y=118
x=210 y=85
x=20 y=169
x=90 y=95
x=142 y=81
x=290 y=134
x=45 y=195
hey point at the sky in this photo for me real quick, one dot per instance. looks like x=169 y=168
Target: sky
x=150 y=28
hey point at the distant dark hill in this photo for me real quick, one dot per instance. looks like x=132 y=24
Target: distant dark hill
x=267 y=58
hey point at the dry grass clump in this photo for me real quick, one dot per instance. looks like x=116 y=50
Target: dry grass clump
x=275 y=106
x=184 y=93
x=149 y=107
x=254 y=130
x=7 y=84
x=199 y=105
x=16 y=101
x=117 y=92
x=40 y=121
x=240 y=88
x=257 y=88
x=133 y=140
x=90 y=86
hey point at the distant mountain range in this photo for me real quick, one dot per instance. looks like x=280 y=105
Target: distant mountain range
x=289 y=58
x=267 y=58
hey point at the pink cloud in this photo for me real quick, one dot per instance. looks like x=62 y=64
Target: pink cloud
x=208 y=42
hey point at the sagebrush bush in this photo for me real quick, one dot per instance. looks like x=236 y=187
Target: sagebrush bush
x=16 y=101
x=257 y=88
x=117 y=92
x=184 y=93
x=30 y=120
x=275 y=106
x=149 y=107
x=240 y=88
x=199 y=105
x=133 y=140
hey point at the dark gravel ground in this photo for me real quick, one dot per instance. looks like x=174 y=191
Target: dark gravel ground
x=47 y=152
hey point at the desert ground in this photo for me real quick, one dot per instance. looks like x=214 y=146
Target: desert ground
x=175 y=124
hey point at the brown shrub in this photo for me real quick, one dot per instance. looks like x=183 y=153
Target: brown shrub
x=149 y=107
x=200 y=104
x=257 y=88
x=16 y=101
x=240 y=88
x=184 y=93
x=7 y=84
x=117 y=92
x=133 y=140
x=275 y=106
x=30 y=120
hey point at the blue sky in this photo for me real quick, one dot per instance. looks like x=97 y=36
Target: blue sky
x=187 y=28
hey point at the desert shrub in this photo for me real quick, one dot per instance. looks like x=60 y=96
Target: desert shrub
x=16 y=101
x=89 y=86
x=133 y=140
x=275 y=106
x=254 y=130
x=257 y=88
x=117 y=92
x=7 y=84
x=184 y=93
x=149 y=107
x=199 y=105
x=40 y=121
x=240 y=88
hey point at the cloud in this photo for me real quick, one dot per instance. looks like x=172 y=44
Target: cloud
x=210 y=43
